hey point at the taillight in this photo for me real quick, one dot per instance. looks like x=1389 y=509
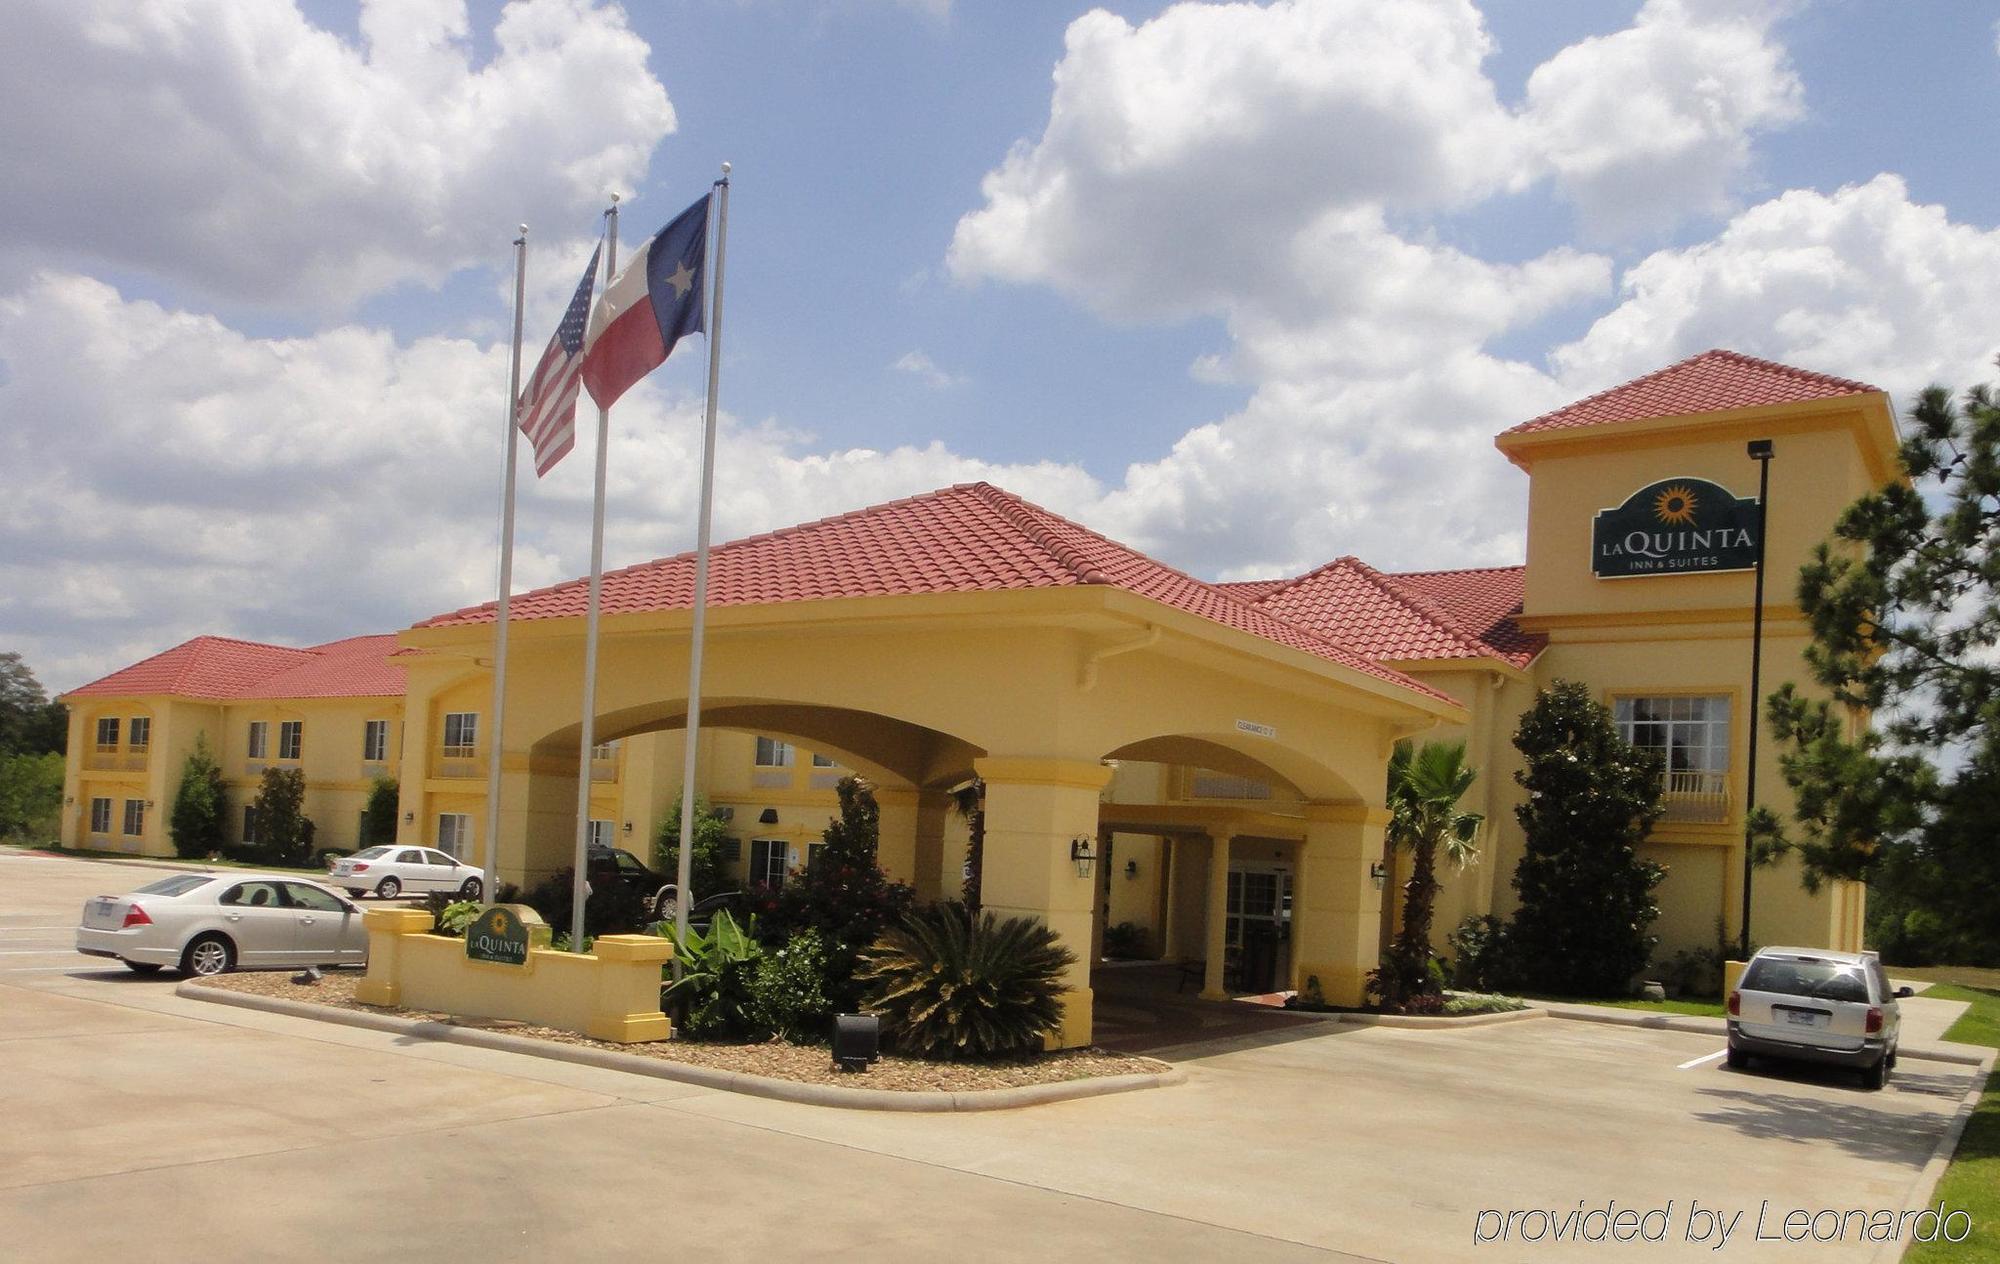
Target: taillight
x=1874 y=1019
x=136 y=916
x=362 y=867
x=1735 y=1004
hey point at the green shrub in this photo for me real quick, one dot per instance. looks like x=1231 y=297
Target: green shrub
x=708 y=873
x=948 y=986
x=1457 y=1003
x=284 y=831
x=1479 y=953
x=201 y=804
x=1126 y=941
x=790 y=989
x=378 y=819
x=716 y=996
x=450 y=917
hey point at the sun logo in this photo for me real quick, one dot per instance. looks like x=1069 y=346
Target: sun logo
x=499 y=922
x=1675 y=505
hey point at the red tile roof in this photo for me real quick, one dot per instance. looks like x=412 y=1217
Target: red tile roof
x=1404 y=618
x=1714 y=381
x=1481 y=602
x=222 y=669
x=1252 y=590
x=973 y=537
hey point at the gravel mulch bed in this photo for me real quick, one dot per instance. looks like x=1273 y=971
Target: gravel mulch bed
x=775 y=1059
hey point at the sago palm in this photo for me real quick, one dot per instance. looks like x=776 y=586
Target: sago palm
x=949 y=985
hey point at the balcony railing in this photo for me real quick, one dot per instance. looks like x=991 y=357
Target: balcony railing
x=604 y=769
x=112 y=759
x=1696 y=798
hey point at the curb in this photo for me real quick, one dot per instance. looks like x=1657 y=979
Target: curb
x=1437 y=1022
x=705 y=1077
x=1716 y=1027
x=1934 y=1169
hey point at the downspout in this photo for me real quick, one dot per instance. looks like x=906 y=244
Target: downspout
x=1087 y=679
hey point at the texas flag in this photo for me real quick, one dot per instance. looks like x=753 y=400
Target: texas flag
x=653 y=301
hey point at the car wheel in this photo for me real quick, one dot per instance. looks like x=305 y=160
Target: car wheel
x=1890 y=1061
x=472 y=889
x=663 y=907
x=1737 y=1058
x=389 y=888
x=357 y=892
x=207 y=955
x=1872 y=1077
x=143 y=967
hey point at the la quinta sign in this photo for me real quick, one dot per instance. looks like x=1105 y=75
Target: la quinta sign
x=1677 y=526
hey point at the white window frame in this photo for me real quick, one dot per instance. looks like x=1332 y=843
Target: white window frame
x=604 y=750
x=763 y=852
x=107 y=734
x=823 y=761
x=374 y=741
x=291 y=739
x=773 y=752
x=258 y=744
x=100 y=814
x=139 y=733
x=603 y=833
x=1693 y=732
x=135 y=818
x=467 y=724
x=454 y=834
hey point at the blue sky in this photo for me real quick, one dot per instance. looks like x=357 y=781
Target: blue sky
x=1249 y=287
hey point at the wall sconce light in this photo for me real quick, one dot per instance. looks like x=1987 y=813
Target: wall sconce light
x=1081 y=854
x=408 y=817
x=149 y=805
x=628 y=827
x=1131 y=868
x=769 y=816
x=69 y=800
x=1380 y=873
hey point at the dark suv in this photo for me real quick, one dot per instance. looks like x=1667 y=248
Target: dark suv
x=658 y=890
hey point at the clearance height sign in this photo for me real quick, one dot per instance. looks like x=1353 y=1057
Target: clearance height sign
x=1677 y=526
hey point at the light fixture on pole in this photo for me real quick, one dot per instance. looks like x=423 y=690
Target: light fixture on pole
x=1759 y=450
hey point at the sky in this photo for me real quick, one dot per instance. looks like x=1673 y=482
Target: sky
x=1246 y=286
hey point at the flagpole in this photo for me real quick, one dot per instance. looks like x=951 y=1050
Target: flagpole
x=588 y=737
x=683 y=894
x=488 y=884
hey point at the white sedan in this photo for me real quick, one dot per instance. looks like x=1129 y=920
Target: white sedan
x=209 y=923
x=390 y=871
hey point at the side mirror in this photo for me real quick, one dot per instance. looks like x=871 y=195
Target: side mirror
x=1902 y=992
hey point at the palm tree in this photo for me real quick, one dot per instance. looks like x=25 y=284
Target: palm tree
x=1425 y=786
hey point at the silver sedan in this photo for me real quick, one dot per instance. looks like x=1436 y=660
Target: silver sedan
x=208 y=923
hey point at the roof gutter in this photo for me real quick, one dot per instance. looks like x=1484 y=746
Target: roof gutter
x=1087 y=678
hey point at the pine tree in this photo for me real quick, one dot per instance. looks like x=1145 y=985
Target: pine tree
x=201 y=805
x=707 y=872
x=1904 y=605
x=378 y=819
x=284 y=831
x=1586 y=896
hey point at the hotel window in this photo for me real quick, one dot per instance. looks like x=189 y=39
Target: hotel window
x=135 y=817
x=455 y=834
x=140 y=734
x=100 y=816
x=107 y=735
x=767 y=861
x=604 y=750
x=374 y=741
x=461 y=733
x=772 y=753
x=813 y=851
x=822 y=761
x=291 y=738
x=1691 y=735
x=249 y=823
x=260 y=739
x=600 y=834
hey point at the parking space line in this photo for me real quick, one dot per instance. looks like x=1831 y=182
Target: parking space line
x=1695 y=1062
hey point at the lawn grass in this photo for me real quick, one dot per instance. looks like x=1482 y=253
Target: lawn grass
x=1972 y=1182
x=1696 y=1008
x=1964 y=976
x=172 y=862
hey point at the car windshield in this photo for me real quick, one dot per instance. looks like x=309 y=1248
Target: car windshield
x=179 y=884
x=1819 y=980
x=369 y=853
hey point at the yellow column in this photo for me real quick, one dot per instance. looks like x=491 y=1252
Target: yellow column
x=1337 y=913
x=1034 y=808
x=1212 y=988
x=902 y=812
x=415 y=766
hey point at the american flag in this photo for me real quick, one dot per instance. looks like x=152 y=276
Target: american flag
x=547 y=410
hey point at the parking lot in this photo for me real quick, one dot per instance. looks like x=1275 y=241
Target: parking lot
x=142 y=1122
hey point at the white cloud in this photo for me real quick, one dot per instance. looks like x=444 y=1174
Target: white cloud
x=242 y=151
x=1861 y=282
x=1648 y=124
x=925 y=369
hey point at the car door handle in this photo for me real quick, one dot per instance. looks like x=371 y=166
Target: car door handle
x=234 y=917
x=305 y=921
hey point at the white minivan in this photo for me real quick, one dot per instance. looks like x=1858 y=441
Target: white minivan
x=1816 y=1005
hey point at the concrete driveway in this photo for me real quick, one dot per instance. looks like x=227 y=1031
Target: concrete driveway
x=138 y=1122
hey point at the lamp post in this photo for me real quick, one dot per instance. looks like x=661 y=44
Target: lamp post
x=1759 y=451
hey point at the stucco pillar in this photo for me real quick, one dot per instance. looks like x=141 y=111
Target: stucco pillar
x=933 y=812
x=910 y=818
x=548 y=835
x=414 y=769
x=1217 y=926
x=1034 y=808
x=1337 y=913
